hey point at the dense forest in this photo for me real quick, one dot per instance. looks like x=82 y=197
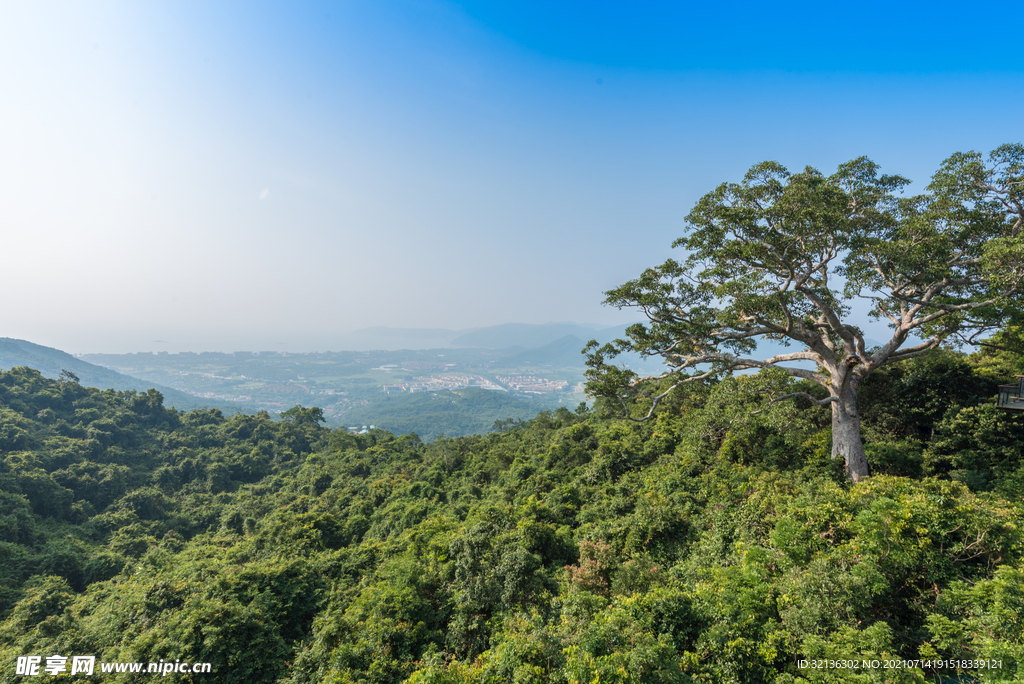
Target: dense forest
x=717 y=542
x=455 y=412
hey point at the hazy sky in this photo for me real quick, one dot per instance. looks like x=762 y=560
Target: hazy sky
x=221 y=176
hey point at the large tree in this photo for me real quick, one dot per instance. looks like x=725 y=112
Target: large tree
x=785 y=256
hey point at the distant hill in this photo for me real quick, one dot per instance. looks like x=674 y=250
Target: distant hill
x=381 y=337
x=567 y=352
x=50 y=362
x=523 y=335
x=563 y=352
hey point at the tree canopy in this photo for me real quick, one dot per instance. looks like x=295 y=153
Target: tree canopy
x=785 y=256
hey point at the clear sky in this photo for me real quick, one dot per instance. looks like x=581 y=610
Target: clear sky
x=249 y=175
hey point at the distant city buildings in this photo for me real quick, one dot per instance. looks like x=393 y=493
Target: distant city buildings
x=451 y=381
x=356 y=430
x=532 y=384
x=444 y=381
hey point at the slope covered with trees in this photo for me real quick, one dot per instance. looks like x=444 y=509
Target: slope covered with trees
x=456 y=412
x=716 y=542
x=52 y=362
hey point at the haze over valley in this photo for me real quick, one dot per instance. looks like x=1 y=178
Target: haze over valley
x=477 y=377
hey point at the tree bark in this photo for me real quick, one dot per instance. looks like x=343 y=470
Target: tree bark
x=846 y=441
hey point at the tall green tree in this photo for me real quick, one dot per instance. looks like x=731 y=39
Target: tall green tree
x=784 y=256
x=300 y=415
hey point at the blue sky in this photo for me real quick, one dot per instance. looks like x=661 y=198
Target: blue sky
x=220 y=176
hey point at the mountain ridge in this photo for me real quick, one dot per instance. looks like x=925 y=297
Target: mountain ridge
x=50 y=361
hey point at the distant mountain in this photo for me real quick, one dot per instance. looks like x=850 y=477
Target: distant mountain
x=50 y=362
x=567 y=352
x=400 y=333
x=522 y=335
x=381 y=337
x=408 y=333
x=505 y=336
x=605 y=335
x=564 y=352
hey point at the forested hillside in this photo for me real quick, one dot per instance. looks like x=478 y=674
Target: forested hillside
x=52 y=362
x=454 y=412
x=717 y=542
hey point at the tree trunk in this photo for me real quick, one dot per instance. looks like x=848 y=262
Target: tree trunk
x=846 y=442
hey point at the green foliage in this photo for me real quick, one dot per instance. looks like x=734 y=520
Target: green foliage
x=907 y=401
x=982 y=621
x=981 y=446
x=1002 y=356
x=298 y=415
x=431 y=414
x=714 y=543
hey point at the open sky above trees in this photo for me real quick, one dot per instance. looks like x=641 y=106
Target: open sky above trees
x=221 y=176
